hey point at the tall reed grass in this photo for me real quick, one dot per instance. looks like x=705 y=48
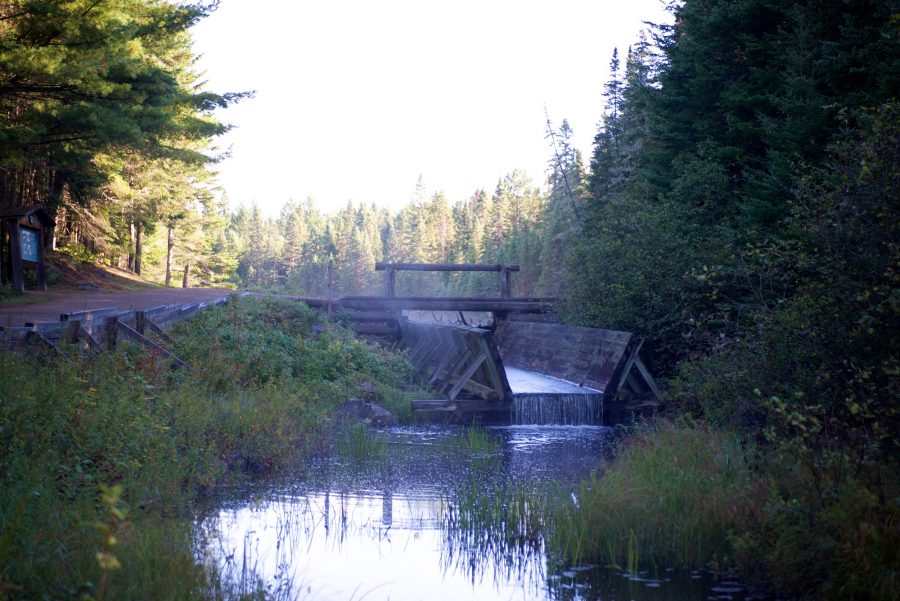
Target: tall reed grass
x=673 y=496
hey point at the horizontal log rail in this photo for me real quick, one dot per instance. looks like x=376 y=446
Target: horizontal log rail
x=390 y=271
x=446 y=267
x=450 y=303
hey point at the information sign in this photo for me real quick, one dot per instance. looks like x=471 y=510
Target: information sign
x=30 y=238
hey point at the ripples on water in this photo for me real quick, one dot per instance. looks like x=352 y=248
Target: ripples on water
x=438 y=519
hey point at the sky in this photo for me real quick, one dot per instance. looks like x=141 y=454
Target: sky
x=355 y=99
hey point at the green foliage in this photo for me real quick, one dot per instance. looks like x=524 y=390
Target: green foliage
x=673 y=496
x=751 y=235
x=360 y=447
x=264 y=377
x=817 y=537
x=103 y=118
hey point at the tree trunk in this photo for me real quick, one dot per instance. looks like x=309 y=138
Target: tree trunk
x=185 y=281
x=138 y=246
x=131 y=247
x=60 y=221
x=170 y=244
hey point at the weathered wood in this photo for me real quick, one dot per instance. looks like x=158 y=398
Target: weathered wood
x=111 y=328
x=587 y=356
x=464 y=378
x=444 y=267
x=89 y=314
x=390 y=280
x=15 y=254
x=648 y=378
x=476 y=366
x=505 y=281
x=37 y=337
x=34 y=221
x=76 y=333
x=149 y=324
x=134 y=336
x=400 y=303
x=447 y=378
x=434 y=405
x=452 y=353
x=494 y=367
x=458 y=406
x=631 y=354
x=40 y=268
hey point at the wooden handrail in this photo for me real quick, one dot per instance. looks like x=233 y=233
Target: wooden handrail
x=390 y=270
x=446 y=267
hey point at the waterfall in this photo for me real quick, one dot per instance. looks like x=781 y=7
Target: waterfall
x=562 y=409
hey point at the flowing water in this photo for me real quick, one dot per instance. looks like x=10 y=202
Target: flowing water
x=427 y=513
x=539 y=399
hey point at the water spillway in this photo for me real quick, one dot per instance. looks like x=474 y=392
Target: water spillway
x=538 y=399
x=528 y=372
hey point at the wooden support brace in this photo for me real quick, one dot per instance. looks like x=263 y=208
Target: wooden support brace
x=75 y=333
x=645 y=373
x=132 y=335
x=38 y=337
x=485 y=393
x=149 y=324
x=627 y=368
x=464 y=378
x=493 y=367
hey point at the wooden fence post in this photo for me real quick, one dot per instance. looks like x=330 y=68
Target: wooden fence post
x=505 y=281
x=15 y=254
x=112 y=330
x=389 y=280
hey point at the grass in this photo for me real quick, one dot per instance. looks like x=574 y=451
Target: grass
x=492 y=526
x=688 y=495
x=359 y=446
x=476 y=442
x=265 y=377
x=673 y=496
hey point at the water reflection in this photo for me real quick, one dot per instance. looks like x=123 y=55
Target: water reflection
x=446 y=516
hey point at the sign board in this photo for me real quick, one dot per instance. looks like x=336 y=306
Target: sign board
x=30 y=239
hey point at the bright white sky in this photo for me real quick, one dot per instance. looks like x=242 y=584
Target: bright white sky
x=355 y=98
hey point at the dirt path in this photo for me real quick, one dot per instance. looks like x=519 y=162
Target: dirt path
x=62 y=301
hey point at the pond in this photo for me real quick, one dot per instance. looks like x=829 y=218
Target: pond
x=428 y=513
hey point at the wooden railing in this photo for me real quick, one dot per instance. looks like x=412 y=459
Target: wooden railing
x=390 y=270
x=96 y=329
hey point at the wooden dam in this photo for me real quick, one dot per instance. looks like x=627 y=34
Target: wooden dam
x=523 y=365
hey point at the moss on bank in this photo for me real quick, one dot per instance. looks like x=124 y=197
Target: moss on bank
x=265 y=375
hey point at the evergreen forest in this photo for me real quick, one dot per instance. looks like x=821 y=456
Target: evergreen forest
x=740 y=209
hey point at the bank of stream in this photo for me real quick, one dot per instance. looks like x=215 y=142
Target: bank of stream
x=429 y=512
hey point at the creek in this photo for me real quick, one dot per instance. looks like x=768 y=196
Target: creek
x=432 y=512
